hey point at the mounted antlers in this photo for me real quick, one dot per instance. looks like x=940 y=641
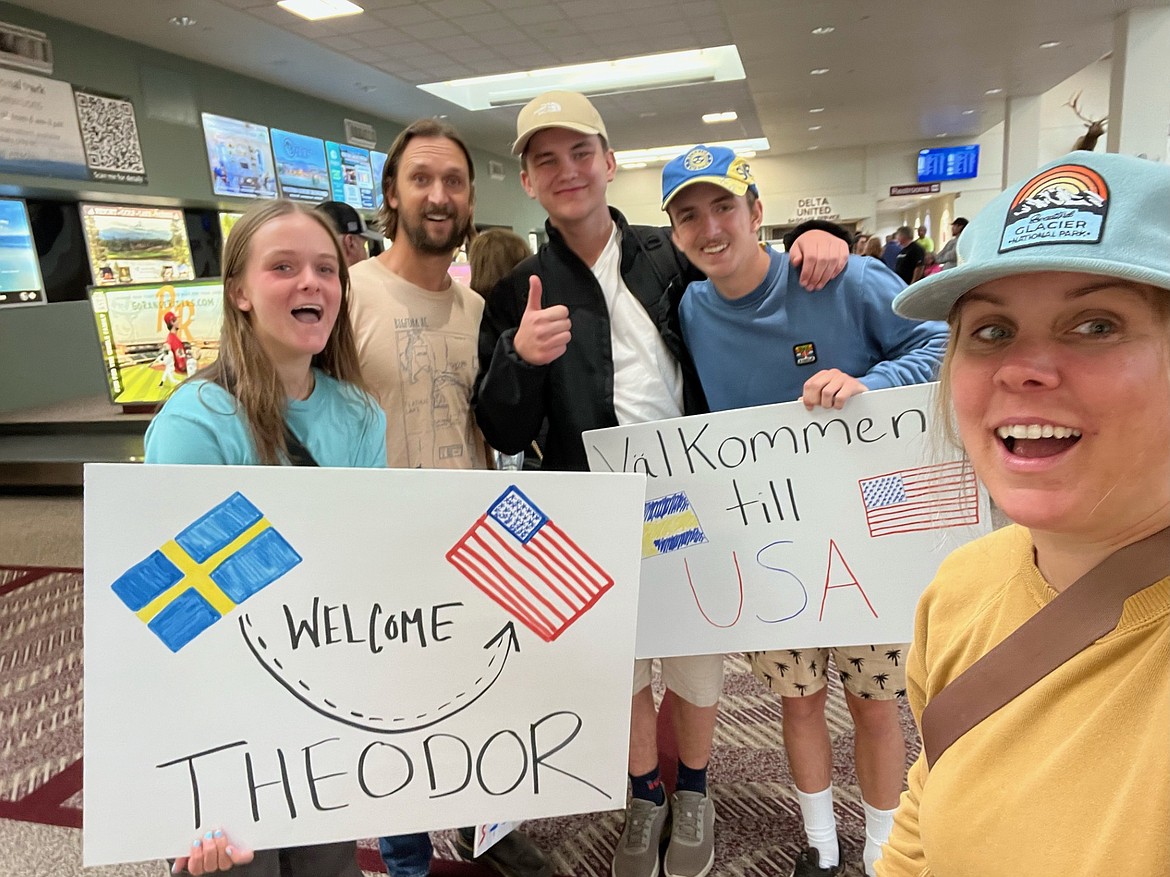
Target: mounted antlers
x=1088 y=140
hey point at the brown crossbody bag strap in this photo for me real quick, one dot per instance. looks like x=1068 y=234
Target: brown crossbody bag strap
x=1077 y=617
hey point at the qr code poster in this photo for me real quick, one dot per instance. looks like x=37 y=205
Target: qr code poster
x=109 y=132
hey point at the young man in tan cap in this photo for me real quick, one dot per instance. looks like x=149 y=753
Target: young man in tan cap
x=584 y=334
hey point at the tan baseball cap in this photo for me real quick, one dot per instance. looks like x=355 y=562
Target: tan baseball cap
x=557 y=109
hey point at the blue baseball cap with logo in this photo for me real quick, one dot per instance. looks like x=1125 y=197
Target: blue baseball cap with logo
x=707 y=164
x=1085 y=212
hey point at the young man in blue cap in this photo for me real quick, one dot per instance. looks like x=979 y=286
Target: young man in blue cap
x=584 y=335
x=758 y=338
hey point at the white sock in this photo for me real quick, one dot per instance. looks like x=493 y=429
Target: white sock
x=877 y=831
x=820 y=825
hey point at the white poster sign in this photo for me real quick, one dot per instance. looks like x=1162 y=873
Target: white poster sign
x=39 y=133
x=776 y=527
x=303 y=655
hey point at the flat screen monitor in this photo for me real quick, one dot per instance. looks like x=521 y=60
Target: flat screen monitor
x=240 y=157
x=136 y=244
x=20 y=269
x=155 y=337
x=377 y=165
x=948 y=163
x=300 y=166
x=350 y=175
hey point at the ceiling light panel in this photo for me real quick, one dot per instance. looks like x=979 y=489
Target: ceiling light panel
x=713 y=118
x=317 y=10
x=641 y=73
x=666 y=153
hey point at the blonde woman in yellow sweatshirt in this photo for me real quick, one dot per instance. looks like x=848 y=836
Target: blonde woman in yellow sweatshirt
x=1058 y=379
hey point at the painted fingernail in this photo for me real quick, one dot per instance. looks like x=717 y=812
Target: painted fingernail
x=231 y=851
x=175 y=868
x=219 y=832
x=197 y=843
x=208 y=836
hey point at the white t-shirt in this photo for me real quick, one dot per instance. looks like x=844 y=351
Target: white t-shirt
x=647 y=380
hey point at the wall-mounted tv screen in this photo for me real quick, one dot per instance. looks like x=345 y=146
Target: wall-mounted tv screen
x=300 y=166
x=20 y=269
x=240 y=158
x=948 y=163
x=136 y=244
x=350 y=175
x=377 y=165
x=154 y=337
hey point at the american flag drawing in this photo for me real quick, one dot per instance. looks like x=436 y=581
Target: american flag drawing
x=925 y=498
x=517 y=556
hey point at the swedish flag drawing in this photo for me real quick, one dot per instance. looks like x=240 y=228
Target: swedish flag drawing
x=670 y=524
x=212 y=566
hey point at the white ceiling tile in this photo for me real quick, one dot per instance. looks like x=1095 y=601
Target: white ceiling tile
x=427 y=30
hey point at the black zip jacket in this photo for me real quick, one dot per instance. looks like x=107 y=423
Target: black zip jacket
x=575 y=392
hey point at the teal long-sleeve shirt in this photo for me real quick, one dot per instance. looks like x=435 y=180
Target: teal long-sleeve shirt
x=760 y=349
x=201 y=423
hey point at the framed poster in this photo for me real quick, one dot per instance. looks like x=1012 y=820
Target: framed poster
x=109 y=132
x=154 y=337
x=136 y=244
x=350 y=175
x=38 y=127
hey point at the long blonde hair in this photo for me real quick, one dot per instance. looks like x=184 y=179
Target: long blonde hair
x=243 y=368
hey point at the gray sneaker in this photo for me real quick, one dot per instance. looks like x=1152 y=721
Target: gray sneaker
x=637 y=849
x=692 y=835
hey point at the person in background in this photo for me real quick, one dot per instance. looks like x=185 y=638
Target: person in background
x=492 y=256
x=859 y=244
x=948 y=256
x=874 y=247
x=416 y=330
x=890 y=251
x=758 y=338
x=584 y=335
x=348 y=224
x=1057 y=379
x=924 y=240
x=909 y=263
x=929 y=265
x=285 y=390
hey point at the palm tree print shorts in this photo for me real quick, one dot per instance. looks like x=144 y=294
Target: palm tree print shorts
x=870 y=672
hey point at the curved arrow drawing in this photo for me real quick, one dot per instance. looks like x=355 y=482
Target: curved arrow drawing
x=500 y=645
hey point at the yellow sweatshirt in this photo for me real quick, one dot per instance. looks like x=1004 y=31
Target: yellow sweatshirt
x=1070 y=778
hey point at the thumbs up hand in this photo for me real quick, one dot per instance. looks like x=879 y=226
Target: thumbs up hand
x=544 y=333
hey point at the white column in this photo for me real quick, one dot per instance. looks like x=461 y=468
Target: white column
x=1021 y=138
x=1139 y=91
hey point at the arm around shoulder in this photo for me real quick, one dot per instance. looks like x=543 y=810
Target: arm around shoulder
x=912 y=350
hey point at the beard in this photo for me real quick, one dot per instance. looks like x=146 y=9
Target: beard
x=421 y=237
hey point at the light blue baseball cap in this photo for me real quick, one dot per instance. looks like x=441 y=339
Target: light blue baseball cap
x=1084 y=212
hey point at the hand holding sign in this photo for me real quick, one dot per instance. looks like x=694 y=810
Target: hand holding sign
x=210 y=854
x=829 y=388
x=544 y=333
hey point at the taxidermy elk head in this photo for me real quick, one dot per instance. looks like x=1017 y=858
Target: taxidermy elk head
x=1096 y=127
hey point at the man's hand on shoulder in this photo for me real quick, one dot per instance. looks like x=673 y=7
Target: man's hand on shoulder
x=830 y=388
x=820 y=256
x=544 y=333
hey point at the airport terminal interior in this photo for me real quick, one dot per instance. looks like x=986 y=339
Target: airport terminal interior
x=134 y=133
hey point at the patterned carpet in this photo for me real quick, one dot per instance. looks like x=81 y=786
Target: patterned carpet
x=758 y=827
